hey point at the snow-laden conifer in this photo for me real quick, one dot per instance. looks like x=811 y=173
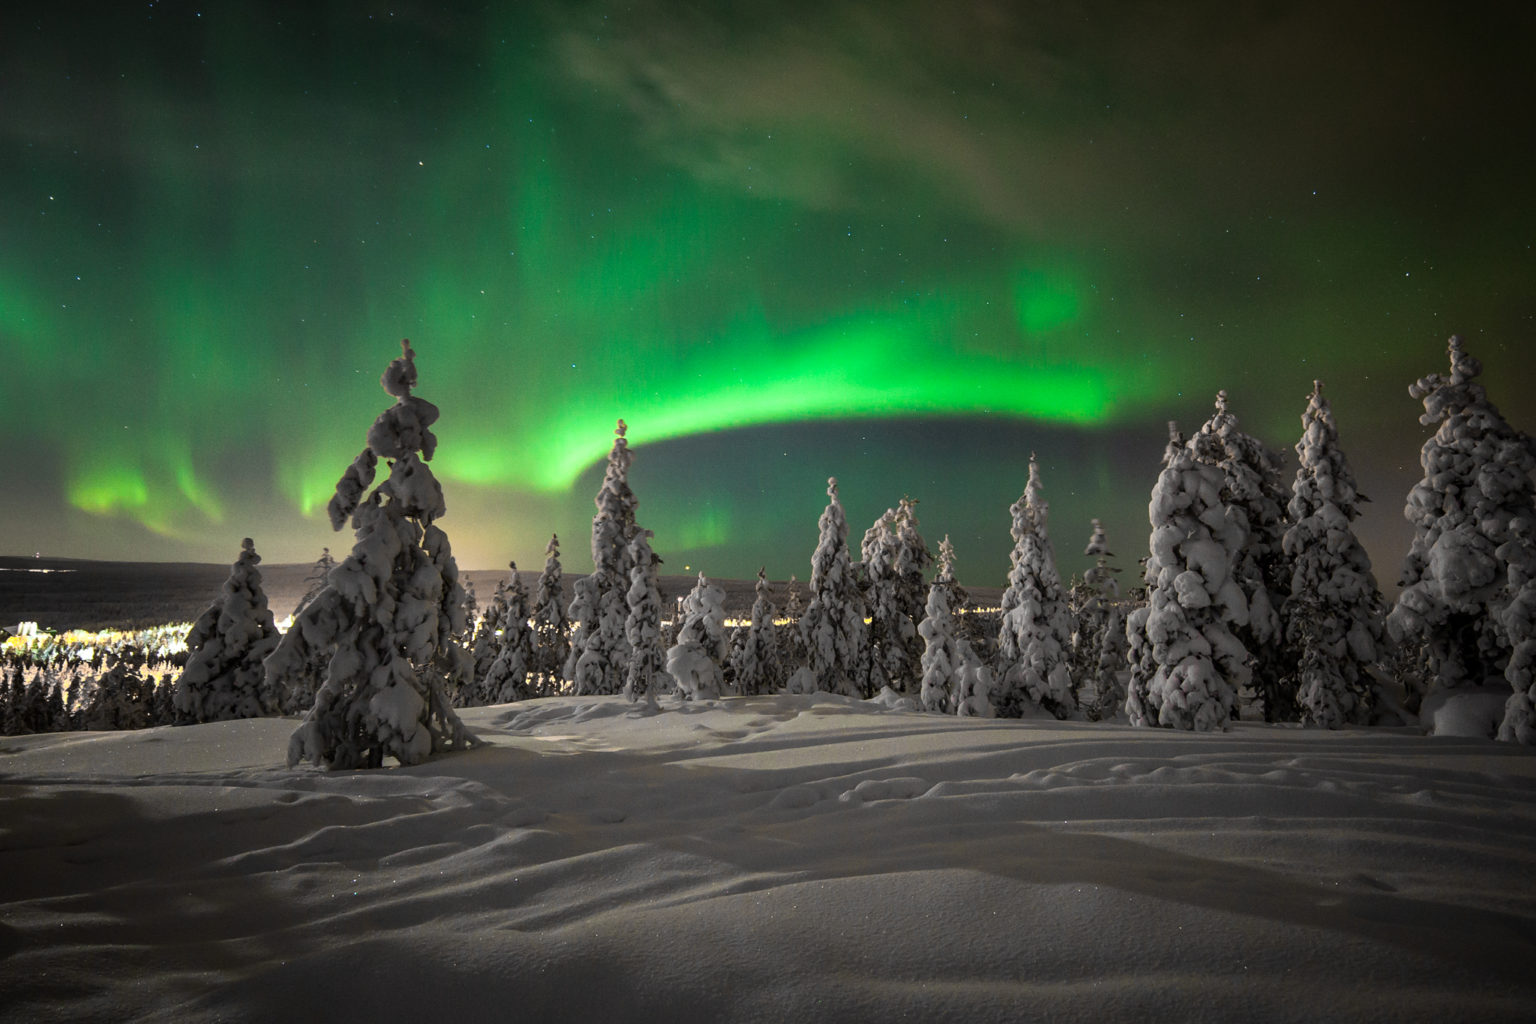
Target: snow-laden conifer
x=1253 y=488
x=1519 y=621
x=695 y=660
x=1098 y=641
x=1333 y=614
x=1035 y=632
x=832 y=629
x=585 y=594
x=894 y=560
x=646 y=673
x=794 y=601
x=485 y=644
x=506 y=679
x=910 y=561
x=758 y=666
x=791 y=643
x=1477 y=484
x=1186 y=664
x=599 y=652
x=885 y=633
x=945 y=653
x=14 y=722
x=315 y=581
x=226 y=646
x=551 y=628
x=601 y=661
x=393 y=610
x=973 y=689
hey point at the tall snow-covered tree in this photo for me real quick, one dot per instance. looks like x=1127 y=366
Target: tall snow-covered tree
x=1139 y=647
x=758 y=665
x=646 y=672
x=945 y=653
x=599 y=652
x=791 y=643
x=506 y=679
x=1098 y=641
x=1186 y=664
x=1333 y=614
x=895 y=558
x=886 y=629
x=485 y=644
x=1477 y=485
x=226 y=646
x=911 y=561
x=551 y=628
x=695 y=660
x=832 y=629
x=1036 y=632
x=392 y=611
x=1253 y=488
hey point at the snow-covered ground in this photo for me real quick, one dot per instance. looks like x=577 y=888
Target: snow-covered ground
x=770 y=859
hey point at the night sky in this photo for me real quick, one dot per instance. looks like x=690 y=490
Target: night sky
x=903 y=243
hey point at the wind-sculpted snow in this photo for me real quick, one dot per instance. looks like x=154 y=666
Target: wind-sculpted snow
x=770 y=858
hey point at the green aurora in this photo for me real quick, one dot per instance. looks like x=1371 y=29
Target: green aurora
x=887 y=242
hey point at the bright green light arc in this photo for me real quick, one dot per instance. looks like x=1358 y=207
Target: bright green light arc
x=881 y=366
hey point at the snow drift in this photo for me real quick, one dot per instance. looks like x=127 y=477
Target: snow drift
x=768 y=859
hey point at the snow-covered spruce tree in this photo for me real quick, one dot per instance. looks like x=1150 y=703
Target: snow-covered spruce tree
x=315 y=581
x=694 y=662
x=392 y=610
x=911 y=561
x=507 y=678
x=944 y=652
x=1333 y=614
x=485 y=644
x=1186 y=664
x=973 y=689
x=120 y=698
x=895 y=558
x=735 y=641
x=832 y=629
x=1138 y=653
x=791 y=644
x=758 y=665
x=1098 y=641
x=886 y=627
x=1519 y=620
x=646 y=674
x=13 y=695
x=471 y=606
x=551 y=628
x=1477 y=485
x=1254 y=489
x=308 y=663
x=224 y=677
x=599 y=651
x=1036 y=631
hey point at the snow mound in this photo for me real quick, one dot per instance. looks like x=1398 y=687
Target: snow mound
x=1470 y=711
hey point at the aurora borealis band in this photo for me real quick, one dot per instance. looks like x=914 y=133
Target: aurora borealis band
x=901 y=243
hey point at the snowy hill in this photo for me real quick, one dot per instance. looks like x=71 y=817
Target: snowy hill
x=769 y=859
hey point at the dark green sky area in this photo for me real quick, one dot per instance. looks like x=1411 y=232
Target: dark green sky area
x=903 y=243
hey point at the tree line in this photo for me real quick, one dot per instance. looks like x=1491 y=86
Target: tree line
x=1252 y=592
